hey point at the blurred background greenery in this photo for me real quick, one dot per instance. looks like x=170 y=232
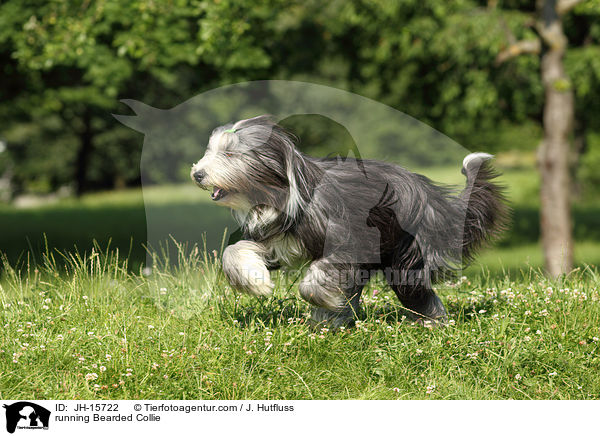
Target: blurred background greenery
x=70 y=174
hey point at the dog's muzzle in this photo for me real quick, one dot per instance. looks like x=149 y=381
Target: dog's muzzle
x=199 y=176
x=218 y=193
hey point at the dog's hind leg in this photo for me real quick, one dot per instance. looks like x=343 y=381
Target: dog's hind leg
x=335 y=291
x=245 y=267
x=415 y=293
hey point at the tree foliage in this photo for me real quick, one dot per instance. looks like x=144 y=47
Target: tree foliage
x=66 y=64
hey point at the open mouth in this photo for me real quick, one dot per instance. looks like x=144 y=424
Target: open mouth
x=218 y=193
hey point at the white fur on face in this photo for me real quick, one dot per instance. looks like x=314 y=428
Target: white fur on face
x=235 y=201
x=222 y=171
x=210 y=158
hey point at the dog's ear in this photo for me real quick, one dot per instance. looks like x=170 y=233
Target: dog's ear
x=295 y=171
x=303 y=177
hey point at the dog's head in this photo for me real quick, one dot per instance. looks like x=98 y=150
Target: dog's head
x=249 y=163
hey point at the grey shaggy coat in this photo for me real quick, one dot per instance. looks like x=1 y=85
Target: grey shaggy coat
x=349 y=217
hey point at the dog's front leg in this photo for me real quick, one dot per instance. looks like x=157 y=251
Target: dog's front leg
x=335 y=289
x=245 y=267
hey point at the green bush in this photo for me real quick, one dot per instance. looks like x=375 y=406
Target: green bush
x=588 y=174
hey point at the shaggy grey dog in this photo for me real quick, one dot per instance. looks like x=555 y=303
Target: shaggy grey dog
x=351 y=218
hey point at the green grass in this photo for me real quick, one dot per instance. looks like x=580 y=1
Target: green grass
x=112 y=219
x=513 y=260
x=92 y=326
x=94 y=330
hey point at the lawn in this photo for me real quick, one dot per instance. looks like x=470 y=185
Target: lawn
x=95 y=330
x=84 y=322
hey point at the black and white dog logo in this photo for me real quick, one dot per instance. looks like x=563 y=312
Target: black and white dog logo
x=26 y=415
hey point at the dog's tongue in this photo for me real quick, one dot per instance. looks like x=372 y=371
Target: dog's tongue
x=216 y=194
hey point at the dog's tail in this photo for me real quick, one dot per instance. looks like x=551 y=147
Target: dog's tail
x=486 y=208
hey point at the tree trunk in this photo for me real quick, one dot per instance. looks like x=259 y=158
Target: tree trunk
x=553 y=158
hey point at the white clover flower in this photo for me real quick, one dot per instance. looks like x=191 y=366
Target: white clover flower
x=91 y=376
x=518 y=377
